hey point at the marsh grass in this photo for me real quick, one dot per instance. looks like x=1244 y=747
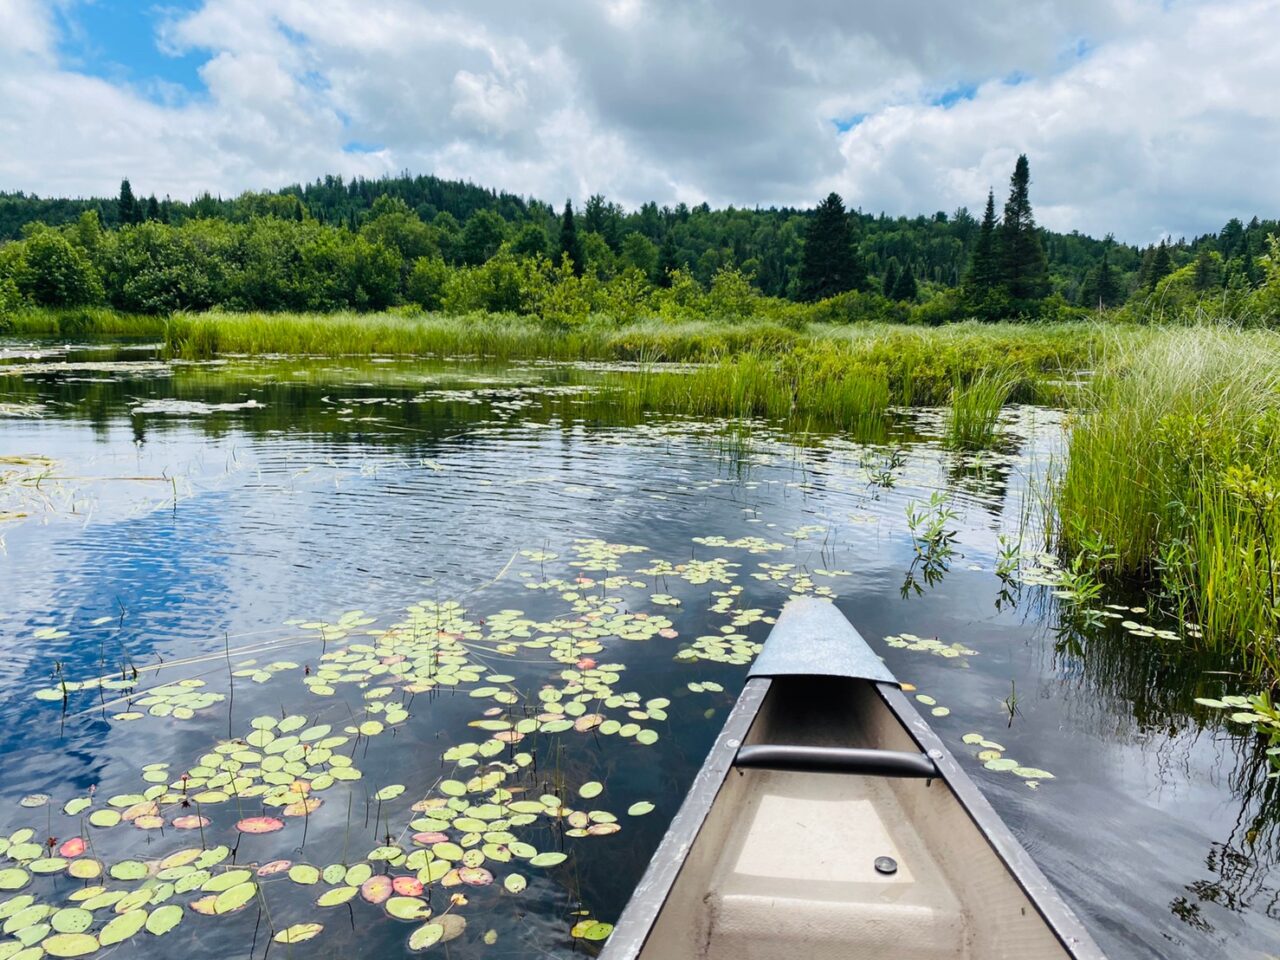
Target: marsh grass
x=1173 y=464
x=975 y=409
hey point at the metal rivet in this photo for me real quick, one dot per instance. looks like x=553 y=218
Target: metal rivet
x=886 y=865
x=935 y=754
x=733 y=744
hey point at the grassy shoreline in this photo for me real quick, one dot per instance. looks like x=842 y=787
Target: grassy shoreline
x=1173 y=473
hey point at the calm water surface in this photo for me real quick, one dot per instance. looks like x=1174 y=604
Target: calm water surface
x=176 y=572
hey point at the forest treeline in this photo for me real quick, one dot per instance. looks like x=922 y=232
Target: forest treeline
x=452 y=246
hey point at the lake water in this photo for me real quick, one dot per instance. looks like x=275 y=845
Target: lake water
x=231 y=590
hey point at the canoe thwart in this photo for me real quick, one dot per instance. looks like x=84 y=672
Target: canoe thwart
x=812 y=638
x=846 y=760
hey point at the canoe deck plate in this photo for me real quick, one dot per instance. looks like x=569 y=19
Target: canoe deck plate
x=813 y=638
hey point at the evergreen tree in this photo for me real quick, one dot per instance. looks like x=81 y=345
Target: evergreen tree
x=668 y=259
x=1101 y=285
x=905 y=289
x=982 y=281
x=570 y=242
x=890 y=280
x=830 y=264
x=1206 y=275
x=1161 y=266
x=153 y=208
x=126 y=205
x=1024 y=268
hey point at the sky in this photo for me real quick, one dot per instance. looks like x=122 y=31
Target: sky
x=1142 y=118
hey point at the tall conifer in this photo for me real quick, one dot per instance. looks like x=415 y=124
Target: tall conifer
x=830 y=264
x=1025 y=271
x=570 y=242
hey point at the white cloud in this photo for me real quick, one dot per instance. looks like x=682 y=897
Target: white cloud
x=1168 y=125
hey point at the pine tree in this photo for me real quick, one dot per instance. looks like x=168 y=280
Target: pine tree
x=1025 y=271
x=906 y=288
x=570 y=242
x=1206 y=274
x=890 y=280
x=1161 y=266
x=153 y=208
x=1101 y=286
x=830 y=264
x=668 y=259
x=982 y=280
x=126 y=206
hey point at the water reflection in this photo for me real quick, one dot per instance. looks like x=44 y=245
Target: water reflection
x=284 y=490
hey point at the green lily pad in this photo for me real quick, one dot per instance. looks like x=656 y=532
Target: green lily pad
x=336 y=897
x=389 y=793
x=407 y=908
x=640 y=809
x=515 y=883
x=164 y=919
x=122 y=927
x=12 y=878
x=298 y=932
x=235 y=898
x=427 y=935
x=69 y=945
x=128 y=870
x=548 y=860
x=304 y=873
x=591 y=789
x=71 y=920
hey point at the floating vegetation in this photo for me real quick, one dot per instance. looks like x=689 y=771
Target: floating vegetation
x=909 y=641
x=992 y=756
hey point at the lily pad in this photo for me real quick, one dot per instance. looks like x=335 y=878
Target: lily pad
x=640 y=809
x=427 y=935
x=260 y=825
x=298 y=932
x=591 y=789
x=514 y=883
x=235 y=898
x=69 y=945
x=164 y=919
x=122 y=927
x=548 y=859
x=407 y=908
x=71 y=920
x=336 y=897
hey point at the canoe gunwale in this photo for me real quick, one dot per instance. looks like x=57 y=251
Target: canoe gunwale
x=651 y=893
x=1055 y=912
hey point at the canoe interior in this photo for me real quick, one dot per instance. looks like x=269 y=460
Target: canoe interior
x=784 y=866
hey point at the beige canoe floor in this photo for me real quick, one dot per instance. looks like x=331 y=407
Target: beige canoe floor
x=784 y=867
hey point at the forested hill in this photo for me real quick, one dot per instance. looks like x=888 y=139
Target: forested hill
x=765 y=244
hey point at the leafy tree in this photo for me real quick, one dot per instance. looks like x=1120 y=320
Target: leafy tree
x=394 y=225
x=482 y=236
x=53 y=272
x=427 y=282
x=1024 y=268
x=905 y=288
x=530 y=241
x=570 y=243
x=831 y=264
x=640 y=252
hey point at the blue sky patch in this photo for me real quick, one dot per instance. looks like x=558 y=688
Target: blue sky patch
x=953 y=95
x=117 y=40
x=357 y=146
x=845 y=124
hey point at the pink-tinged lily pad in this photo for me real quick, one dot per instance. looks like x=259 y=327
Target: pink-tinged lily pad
x=475 y=876
x=274 y=867
x=668 y=633
x=427 y=839
x=190 y=822
x=407 y=886
x=72 y=848
x=377 y=889
x=260 y=825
